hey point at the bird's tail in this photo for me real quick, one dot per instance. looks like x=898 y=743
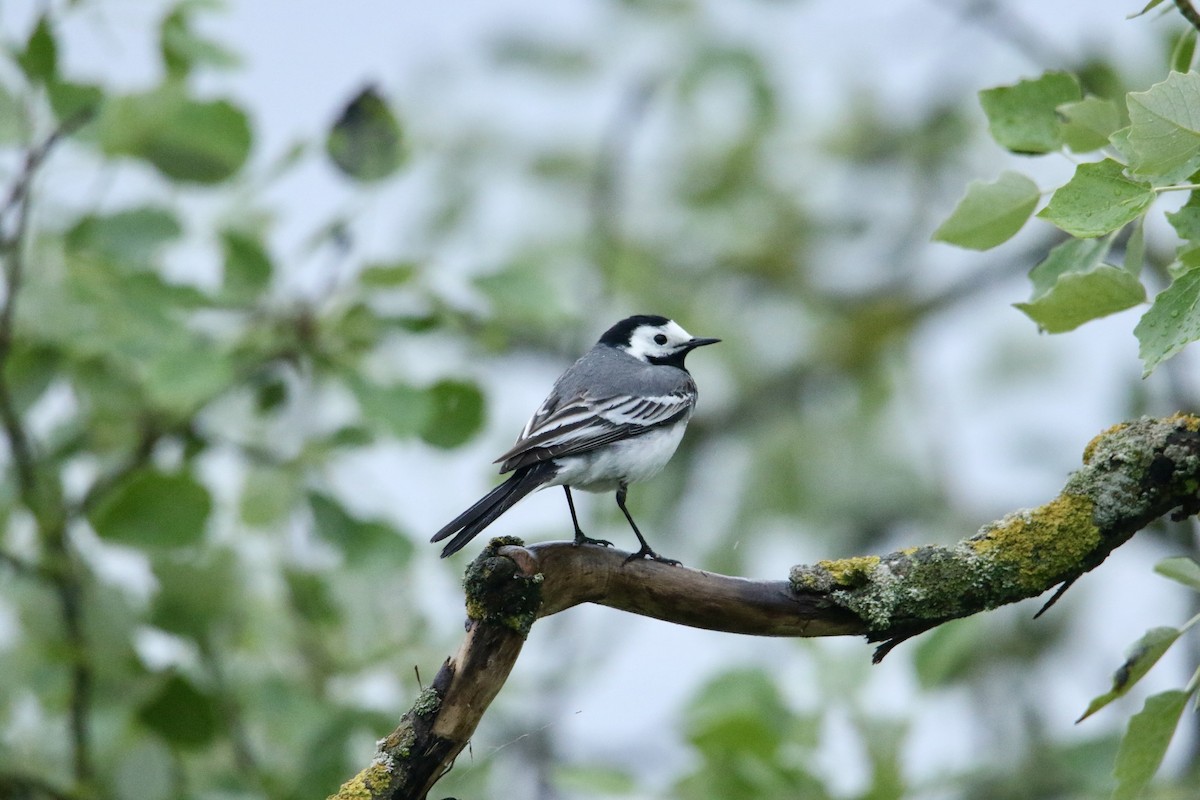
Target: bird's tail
x=468 y=524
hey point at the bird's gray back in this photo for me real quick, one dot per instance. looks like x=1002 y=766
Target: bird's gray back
x=606 y=372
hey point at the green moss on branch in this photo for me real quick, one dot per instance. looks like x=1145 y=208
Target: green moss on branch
x=1132 y=474
x=498 y=592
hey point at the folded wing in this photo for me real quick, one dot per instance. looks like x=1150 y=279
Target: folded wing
x=585 y=423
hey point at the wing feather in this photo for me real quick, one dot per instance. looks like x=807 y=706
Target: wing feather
x=585 y=423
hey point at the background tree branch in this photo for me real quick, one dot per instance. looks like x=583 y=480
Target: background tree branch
x=1132 y=474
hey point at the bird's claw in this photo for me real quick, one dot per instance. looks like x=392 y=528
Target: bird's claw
x=646 y=552
x=581 y=539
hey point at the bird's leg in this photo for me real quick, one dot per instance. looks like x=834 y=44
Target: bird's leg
x=645 y=552
x=579 y=537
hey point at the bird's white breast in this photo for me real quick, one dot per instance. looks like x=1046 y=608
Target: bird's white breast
x=627 y=461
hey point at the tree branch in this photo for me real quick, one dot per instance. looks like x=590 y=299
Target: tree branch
x=38 y=488
x=1133 y=474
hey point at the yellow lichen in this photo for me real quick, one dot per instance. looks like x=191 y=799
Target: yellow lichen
x=368 y=784
x=850 y=571
x=1190 y=421
x=1044 y=543
x=1090 y=449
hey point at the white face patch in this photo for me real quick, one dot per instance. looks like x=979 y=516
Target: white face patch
x=657 y=341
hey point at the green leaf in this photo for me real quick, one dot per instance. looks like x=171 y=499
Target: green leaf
x=153 y=508
x=72 y=101
x=1073 y=255
x=1172 y=322
x=182 y=714
x=1144 y=654
x=1181 y=569
x=13 y=120
x=520 y=294
x=948 y=652
x=130 y=239
x=1024 y=118
x=39 y=59
x=1079 y=297
x=1088 y=123
x=457 y=413
x=990 y=213
x=183 y=50
x=740 y=710
x=590 y=780
x=29 y=372
x=350 y=436
x=1147 y=7
x=322 y=759
x=362 y=541
x=1119 y=141
x=400 y=409
x=1184 y=51
x=132 y=326
x=356 y=329
x=145 y=769
x=268 y=494
x=1186 y=222
x=1135 y=249
x=386 y=276
x=184 y=139
x=311 y=597
x=183 y=372
x=195 y=592
x=248 y=268
x=1145 y=743
x=270 y=394
x=1097 y=200
x=1164 y=129
x=366 y=142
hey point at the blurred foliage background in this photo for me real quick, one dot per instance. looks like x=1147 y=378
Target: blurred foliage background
x=246 y=369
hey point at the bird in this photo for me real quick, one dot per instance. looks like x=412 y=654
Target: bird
x=615 y=417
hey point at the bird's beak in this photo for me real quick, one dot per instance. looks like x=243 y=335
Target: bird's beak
x=699 y=342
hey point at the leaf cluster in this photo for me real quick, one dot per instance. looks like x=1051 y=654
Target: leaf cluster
x=1137 y=150
x=185 y=426
x=1151 y=730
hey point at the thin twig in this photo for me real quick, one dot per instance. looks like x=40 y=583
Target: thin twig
x=12 y=248
x=1189 y=12
x=71 y=601
x=22 y=566
x=138 y=458
x=59 y=567
x=997 y=20
x=239 y=737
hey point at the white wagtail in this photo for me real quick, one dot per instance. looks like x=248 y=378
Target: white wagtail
x=615 y=417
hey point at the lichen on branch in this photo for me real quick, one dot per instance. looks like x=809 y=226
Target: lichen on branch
x=1132 y=474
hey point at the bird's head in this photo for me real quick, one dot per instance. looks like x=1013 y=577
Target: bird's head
x=653 y=339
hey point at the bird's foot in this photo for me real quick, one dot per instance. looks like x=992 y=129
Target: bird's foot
x=646 y=552
x=581 y=539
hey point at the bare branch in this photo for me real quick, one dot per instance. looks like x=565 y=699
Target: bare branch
x=1133 y=474
x=12 y=250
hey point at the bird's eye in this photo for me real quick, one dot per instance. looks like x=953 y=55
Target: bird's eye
x=660 y=339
